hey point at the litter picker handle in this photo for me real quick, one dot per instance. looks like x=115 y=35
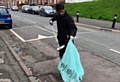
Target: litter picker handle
x=55 y=35
x=59 y=47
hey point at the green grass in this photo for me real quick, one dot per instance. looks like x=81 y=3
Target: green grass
x=101 y=9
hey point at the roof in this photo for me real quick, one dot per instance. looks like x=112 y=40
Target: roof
x=3 y=6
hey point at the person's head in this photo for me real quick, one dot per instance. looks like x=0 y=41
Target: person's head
x=60 y=9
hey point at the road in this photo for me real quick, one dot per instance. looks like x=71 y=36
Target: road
x=33 y=40
x=104 y=43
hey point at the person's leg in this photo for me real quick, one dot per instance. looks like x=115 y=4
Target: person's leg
x=61 y=52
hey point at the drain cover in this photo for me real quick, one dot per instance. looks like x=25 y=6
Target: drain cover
x=47 y=78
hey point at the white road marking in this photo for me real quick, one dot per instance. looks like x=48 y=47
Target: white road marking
x=17 y=35
x=49 y=27
x=44 y=29
x=39 y=37
x=30 y=21
x=90 y=31
x=26 y=27
x=115 y=51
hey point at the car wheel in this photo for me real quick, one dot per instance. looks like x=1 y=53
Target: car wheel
x=33 y=12
x=39 y=14
x=10 y=26
x=44 y=15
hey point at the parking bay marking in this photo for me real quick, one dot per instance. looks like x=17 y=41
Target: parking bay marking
x=30 y=21
x=44 y=29
x=39 y=36
x=17 y=35
x=25 y=27
x=115 y=51
x=25 y=19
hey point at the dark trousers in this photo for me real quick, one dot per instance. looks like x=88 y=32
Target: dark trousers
x=61 y=43
x=62 y=51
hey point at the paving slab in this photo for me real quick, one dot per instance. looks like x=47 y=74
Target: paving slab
x=10 y=71
x=98 y=69
x=48 y=66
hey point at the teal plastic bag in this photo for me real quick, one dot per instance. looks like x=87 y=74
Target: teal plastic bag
x=70 y=65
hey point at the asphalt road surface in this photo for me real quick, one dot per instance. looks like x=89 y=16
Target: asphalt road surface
x=33 y=40
x=30 y=28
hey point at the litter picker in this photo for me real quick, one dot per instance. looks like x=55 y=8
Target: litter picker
x=59 y=47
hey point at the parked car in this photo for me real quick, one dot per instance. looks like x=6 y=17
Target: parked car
x=47 y=11
x=14 y=8
x=5 y=17
x=25 y=8
x=34 y=10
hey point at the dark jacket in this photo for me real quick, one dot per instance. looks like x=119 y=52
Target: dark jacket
x=65 y=26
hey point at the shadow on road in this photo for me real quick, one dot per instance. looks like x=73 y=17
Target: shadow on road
x=3 y=27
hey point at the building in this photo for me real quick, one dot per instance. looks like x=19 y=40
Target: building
x=40 y=2
x=43 y=2
x=51 y=2
x=4 y=3
x=76 y=1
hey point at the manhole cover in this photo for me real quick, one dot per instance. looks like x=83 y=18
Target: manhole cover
x=47 y=78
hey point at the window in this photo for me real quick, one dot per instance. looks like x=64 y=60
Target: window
x=3 y=10
x=50 y=1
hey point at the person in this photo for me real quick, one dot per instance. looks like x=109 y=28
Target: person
x=65 y=26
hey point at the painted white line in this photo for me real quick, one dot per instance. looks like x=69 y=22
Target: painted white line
x=115 y=51
x=25 y=27
x=39 y=37
x=50 y=28
x=30 y=21
x=44 y=29
x=17 y=35
x=32 y=40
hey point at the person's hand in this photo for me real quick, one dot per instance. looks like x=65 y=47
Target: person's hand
x=50 y=22
x=72 y=37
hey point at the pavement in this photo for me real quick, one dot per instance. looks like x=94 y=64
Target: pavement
x=97 y=68
x=10 y=70
x=98 y=24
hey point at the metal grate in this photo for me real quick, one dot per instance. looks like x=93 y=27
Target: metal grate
x=47 y=78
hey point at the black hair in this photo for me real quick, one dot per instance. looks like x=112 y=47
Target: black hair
x=59 y=7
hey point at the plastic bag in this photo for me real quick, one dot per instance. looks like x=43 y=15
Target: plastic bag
x=70 y=65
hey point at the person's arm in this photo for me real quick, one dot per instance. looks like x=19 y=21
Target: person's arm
x=72 y=26
x=52 y=20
